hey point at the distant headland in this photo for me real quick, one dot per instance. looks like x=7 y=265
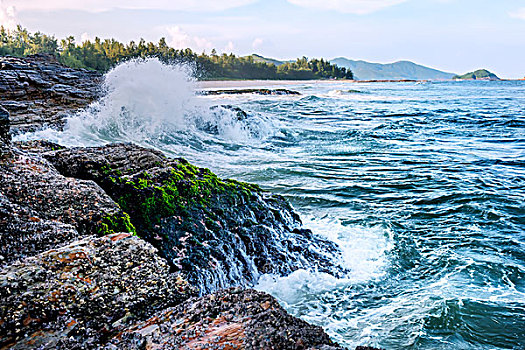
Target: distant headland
x=480 y=74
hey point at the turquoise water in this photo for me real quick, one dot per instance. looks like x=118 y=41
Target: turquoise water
x=439 y=170
x=422 y=185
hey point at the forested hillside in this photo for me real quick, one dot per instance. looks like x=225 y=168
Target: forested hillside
x=101 y=55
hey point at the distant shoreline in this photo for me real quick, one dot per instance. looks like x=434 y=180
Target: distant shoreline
x=264 y=83
x=258 y=82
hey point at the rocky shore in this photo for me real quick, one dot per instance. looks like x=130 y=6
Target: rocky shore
x=39 y=92
x=120 y=247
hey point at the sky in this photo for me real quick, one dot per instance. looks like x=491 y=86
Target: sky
x=456 y=36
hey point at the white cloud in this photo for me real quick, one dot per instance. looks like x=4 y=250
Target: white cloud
x=519 y=14
x=359 y=7
x=229 y=48
x=179 y=39
x=257 y=42
x=7 y=16
x=105 y=5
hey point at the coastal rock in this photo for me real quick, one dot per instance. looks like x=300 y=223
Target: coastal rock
x=40 y=208
x=220 y=233
x=83 y=293
x=229 y=319
x=40 y=92
x=239 y=113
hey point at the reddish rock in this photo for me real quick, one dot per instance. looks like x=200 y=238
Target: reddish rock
x=229 y=319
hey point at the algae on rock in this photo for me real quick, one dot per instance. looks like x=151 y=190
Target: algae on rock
x=221 y=233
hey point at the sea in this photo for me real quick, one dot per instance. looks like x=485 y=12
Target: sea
x=422 y=186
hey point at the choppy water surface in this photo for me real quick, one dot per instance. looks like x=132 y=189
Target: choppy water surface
x=422 y=185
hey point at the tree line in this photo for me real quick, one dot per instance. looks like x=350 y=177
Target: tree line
x=102 y=55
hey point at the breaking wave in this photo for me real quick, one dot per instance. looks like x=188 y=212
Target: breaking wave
x=150 y=103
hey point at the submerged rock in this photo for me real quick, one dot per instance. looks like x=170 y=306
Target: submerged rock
x=229 y=319
x=239 y=113
x=38 y=91
x=220 y=233
x=84 y=293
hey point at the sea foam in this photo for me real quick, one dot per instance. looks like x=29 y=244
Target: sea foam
x=364 y=254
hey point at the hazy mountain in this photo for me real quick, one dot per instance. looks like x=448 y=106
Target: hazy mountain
x=480 y=74
x=398 y=70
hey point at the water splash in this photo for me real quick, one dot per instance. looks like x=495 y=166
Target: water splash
x=151 y=103
x=142 y=97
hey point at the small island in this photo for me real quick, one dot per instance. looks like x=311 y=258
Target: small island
x=480 y=74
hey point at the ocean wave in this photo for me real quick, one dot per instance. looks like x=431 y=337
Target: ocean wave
x=151 y=103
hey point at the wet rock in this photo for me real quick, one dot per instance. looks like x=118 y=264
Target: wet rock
x=99 y=163
x=34 y=195
x=220 y=233
x=222 y=115
x=229 y=319
x=239 y=113
x=83 y=293
x=250 y=91
x=4 y=125
x=40 y=92
x=5 y=136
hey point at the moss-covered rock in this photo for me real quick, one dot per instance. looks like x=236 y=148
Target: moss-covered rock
x=220 y=233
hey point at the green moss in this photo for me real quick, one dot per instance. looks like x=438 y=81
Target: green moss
x=115 y=223
x=177 y=192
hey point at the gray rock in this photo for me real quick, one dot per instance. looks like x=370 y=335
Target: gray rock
x=81 y=294
x=23 y=233
x=40 y=92
x=34 y=194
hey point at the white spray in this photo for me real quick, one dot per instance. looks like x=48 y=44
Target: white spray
x=150 y=103
x=142 y=98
